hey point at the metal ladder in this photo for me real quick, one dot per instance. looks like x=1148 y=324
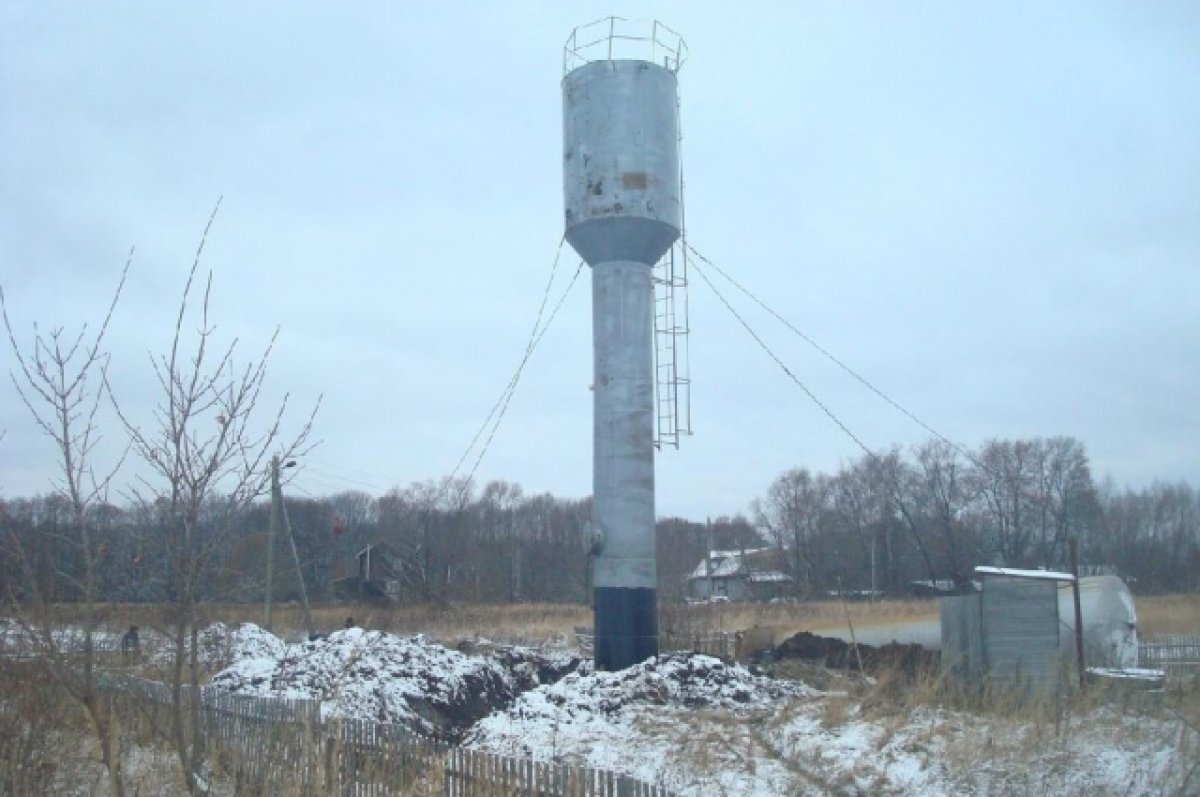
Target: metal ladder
x=672 y=382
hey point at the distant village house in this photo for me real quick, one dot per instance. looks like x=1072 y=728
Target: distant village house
x=374 y=575
x=742 y=575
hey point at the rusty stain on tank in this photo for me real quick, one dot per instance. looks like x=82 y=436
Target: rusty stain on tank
x=637 y=180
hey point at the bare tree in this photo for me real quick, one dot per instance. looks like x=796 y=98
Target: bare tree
x=943 y=490
x=791 y=516
x=863 y=506
x=208 y=449
x=426 y=524
x=60 y=378
x=1036 y=493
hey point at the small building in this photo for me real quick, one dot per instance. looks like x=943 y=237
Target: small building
x=373 y=575
x=1009 y=634
x=741 y=575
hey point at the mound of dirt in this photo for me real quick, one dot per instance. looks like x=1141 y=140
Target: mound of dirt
x=838 y=654
x=221 y=645
x=372 y=675
x=585 y=708
x=527 y=666
x=677 y=679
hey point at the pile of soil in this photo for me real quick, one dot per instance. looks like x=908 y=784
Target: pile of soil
x=371 y=675
x=219 y=646
x=681 y=679
x=909 y=659
x=527 y=666
x=586 y=710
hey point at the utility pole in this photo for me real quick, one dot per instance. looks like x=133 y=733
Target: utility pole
x=271 y=545
x=874 y=588
x=287 y=527
x=1074 y=548
x=278 y=508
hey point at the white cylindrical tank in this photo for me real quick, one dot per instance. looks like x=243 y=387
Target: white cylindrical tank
x=621 y=161
x=1109 y=622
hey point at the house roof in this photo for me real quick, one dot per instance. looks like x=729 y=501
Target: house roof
x=756 y=563
x=1008 y=571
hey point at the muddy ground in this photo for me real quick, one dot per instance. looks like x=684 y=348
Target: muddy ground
x=908 y=659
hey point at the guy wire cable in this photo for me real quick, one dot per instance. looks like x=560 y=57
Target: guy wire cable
x=861 y=379
x=533 y=335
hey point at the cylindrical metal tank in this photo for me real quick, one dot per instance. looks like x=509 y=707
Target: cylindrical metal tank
x=1109 y=622
x=622 y=213
x=621 y=161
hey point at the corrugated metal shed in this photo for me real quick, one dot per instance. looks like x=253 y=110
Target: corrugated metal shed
x=962 y=640
x=1019 y=625
x=1006 y=636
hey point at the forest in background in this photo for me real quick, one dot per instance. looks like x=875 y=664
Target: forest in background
x=880 y=523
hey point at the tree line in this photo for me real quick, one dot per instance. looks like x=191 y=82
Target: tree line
x=934 y=513
x=450 y=543
x=882 y=524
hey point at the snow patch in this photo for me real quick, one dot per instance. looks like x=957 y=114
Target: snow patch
x=370 y=675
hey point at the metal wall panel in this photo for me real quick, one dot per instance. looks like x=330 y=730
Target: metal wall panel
x=962 y=643
x=1020 y=631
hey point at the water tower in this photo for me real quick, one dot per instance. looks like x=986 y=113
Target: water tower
x=623 y=212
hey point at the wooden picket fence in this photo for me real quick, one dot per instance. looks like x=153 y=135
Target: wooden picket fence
x=270 y=744
x=470 y=773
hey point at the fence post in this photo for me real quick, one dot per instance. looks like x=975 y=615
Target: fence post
x=327 y=741
x=258 y=738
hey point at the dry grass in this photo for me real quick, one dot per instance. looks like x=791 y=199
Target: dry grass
x=890 y=699
x=786 y=619
x=524 y=622
x=1169 y=614
x=534 y=622
x=32 y=710
x=737 y=616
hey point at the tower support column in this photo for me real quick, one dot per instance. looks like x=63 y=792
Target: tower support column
x=625 y=578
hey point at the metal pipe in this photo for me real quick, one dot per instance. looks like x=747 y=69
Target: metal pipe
x=1074 y=546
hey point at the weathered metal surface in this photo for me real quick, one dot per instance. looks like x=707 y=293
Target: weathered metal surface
x=624 y=425
x=1109 y=624
x=961 y=639
x=621 y=161
x=1020 y=629
x=623 y=464
x=1110 y=637
x=621 y=191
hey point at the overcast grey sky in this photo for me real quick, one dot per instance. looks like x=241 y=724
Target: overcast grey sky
x=992 y=211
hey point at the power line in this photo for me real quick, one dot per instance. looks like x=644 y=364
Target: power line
x=516 y=376
x=293 y=485
x=358 y=472
x=871 y=455
x=357 y=482
x=533 y=337
x=770 y=353
x=499 y=407
x=835 y=360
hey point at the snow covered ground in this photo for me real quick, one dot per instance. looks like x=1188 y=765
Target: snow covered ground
x=772 y=739
x=702 y=727
x=21 y=638
x=375 y=676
